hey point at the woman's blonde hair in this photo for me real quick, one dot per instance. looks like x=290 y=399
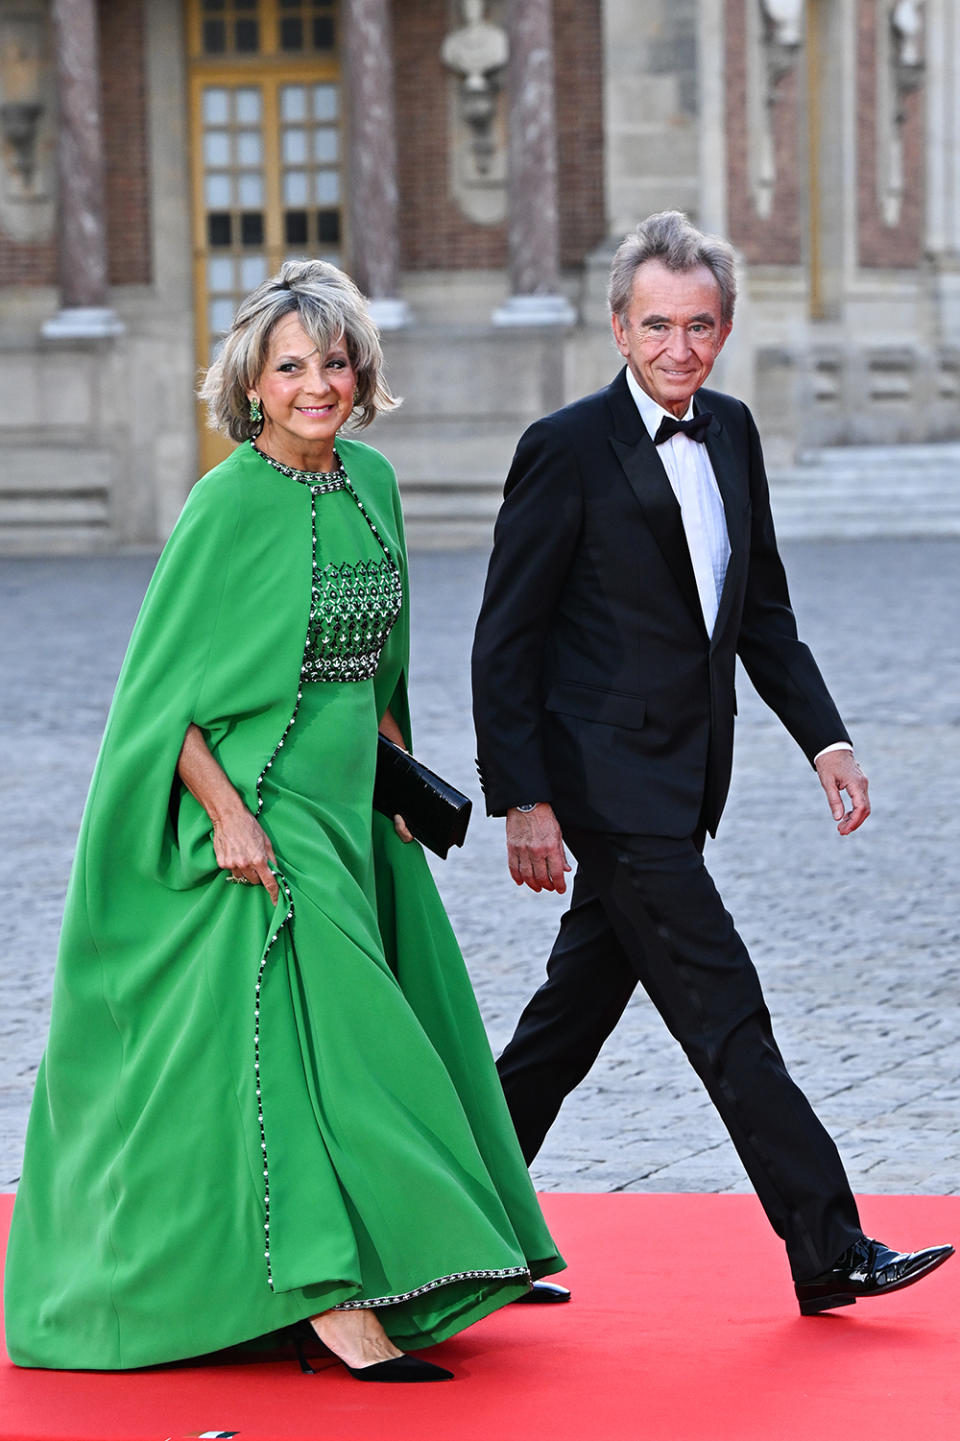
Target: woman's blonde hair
x=330 y=308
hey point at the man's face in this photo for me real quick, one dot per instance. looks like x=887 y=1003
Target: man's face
x=672 y=333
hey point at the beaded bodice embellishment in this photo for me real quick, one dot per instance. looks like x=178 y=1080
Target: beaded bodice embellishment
x=352 y=610
x=353 y=607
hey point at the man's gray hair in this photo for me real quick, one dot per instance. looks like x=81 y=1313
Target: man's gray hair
x=669 y=236
x=331 y=309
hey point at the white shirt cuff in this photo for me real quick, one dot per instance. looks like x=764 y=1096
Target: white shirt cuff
x=837 y=746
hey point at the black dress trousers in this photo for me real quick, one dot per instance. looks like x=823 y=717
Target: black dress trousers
x=645 y=908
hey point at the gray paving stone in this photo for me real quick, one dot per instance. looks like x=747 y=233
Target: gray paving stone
x=857 y=940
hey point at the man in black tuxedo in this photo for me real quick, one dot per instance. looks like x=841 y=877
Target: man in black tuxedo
x=634 y=559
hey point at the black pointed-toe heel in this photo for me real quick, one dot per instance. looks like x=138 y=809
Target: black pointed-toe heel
x=398 y=1368
x=401 y=1368
x=300 y=1334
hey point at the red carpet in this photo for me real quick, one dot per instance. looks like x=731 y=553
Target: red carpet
x=683 y=1328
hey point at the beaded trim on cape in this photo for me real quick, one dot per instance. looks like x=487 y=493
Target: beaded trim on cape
x=503 y=1275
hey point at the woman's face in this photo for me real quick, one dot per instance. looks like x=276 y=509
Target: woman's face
x=305 y=397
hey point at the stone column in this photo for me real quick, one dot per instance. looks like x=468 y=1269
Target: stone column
x=81 y=220
x=943 y=162
x=535 y=296
x=373 y=159
x=712 y=118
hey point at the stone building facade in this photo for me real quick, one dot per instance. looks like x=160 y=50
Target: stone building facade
x=473 y=165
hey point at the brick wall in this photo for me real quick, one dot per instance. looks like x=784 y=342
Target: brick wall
x=434 y=234
x=775 y=240
x=125 y=155
x=880 y=244
x=123 y=88
x=578 y=28
x=27 y=264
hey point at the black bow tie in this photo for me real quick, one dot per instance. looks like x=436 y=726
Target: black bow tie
x=696 y=428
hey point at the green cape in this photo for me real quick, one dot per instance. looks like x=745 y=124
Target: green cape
x=138 y=1229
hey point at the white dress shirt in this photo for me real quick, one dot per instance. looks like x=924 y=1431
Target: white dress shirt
x=691 y=477
x=701 y=508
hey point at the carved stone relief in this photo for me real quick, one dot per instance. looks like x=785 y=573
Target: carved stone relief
x=476 y=52
x=27 y=133
x=774 y=38
x=900 y=68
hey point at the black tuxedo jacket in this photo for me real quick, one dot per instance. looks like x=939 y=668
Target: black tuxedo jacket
x=596 y=686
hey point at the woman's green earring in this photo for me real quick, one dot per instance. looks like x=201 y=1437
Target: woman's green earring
x=255 y=412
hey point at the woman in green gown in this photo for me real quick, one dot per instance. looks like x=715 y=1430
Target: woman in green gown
x=267 y=1096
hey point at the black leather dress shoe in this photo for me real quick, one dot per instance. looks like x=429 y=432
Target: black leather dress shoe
x=867 y=1268
x=543 y=1293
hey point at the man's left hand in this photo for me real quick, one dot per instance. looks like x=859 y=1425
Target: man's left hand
x=838 y=771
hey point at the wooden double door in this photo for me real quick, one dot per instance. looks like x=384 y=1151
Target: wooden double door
x=266 y=145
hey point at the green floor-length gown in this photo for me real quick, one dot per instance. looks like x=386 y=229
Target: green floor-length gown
x=247 y=1114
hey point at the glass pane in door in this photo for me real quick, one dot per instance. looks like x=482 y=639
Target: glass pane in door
x=310 y=156
x=234 y=188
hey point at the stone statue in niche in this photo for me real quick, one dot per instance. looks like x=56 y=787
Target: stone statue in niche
x=899 y=72
x=775 y=34
x=907 y=22
x=785 y=18
x=27 y=138
x=477 y=53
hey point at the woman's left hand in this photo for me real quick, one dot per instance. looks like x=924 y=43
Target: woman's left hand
x=392 y=731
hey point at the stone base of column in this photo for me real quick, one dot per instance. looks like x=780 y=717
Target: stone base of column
x=389 y=313
x=945 y=289
x=533 y=310
x=83 y=322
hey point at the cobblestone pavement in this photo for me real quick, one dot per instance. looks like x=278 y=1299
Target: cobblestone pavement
x=857 y=939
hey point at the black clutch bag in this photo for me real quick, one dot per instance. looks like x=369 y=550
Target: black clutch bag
x=435 y=812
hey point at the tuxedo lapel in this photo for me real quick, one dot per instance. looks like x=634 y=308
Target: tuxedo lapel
x=729 y=469
x=648 y=481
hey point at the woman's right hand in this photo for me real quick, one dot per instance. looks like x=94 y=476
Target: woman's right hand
x=243 y=848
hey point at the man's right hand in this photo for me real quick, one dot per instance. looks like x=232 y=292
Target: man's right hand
x=535 y=851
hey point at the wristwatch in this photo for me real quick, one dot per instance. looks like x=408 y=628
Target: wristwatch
x=526 y=807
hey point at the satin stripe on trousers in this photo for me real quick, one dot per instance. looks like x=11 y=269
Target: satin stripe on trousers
x=645 y=908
